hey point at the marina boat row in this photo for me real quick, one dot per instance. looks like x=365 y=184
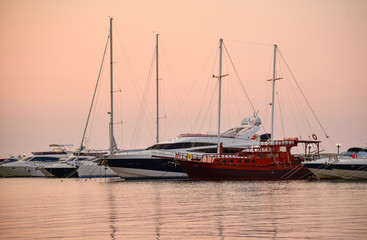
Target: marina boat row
x=237 y=154
x=158 y=161
x=56 y=163
x=339 y=167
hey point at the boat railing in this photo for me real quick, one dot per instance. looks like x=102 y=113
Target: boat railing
x=207 y=158
x=189 y=156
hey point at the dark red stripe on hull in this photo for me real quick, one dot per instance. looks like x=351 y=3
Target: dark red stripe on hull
x=201 y=171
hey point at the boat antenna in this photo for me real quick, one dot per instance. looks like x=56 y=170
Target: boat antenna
x=113 y=146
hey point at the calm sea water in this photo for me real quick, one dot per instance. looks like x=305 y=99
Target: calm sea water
x=103 y=209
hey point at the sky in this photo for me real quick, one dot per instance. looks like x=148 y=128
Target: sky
x=51 y=53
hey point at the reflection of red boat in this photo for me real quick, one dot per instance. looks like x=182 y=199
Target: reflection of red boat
x=271 y=160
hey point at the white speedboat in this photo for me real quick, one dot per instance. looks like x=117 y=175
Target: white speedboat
x=322 y=168
x=351 y=168
x=349 y=165
x=157 y=161
x=91 y=167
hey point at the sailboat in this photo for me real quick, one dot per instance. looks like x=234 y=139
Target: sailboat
x=271 y=160
x=89 y=163
x=158 y=160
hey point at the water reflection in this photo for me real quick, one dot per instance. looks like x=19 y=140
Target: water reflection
x=157 y=204
x=74 y=209
x=112 y=212
x=219 y=199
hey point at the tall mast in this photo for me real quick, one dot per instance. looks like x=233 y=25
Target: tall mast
x=157 y=76
x=113 y=146
x=220 y=91
x=272 y=101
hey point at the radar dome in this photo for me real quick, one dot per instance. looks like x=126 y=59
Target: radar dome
x=244 y=121
x=257 y=121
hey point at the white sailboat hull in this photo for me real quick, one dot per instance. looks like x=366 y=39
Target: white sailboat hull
x=135 y=173
x=95 y=171
x=20 y=171
x=324 y=173
x=353 y=175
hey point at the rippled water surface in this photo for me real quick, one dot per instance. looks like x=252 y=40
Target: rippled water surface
x=103 y=209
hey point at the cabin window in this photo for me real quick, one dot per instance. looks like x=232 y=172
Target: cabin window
x=45 y=159
x=283 y=149
x=239 y=161
x=261 y=155
x=231 y=161
x=224 y=161
x=216 y=161
x=253 y=161
x=272 y=155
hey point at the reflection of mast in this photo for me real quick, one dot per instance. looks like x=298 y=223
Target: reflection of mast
x=158 y=214
x=112 y=219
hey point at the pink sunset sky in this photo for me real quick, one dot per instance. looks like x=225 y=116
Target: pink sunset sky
x=51 y=52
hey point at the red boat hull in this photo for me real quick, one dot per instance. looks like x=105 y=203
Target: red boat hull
x=210 y=171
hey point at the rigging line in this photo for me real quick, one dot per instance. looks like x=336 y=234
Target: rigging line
x=249 y=42
x=143 y=101
x=127 y=59
x=248 y=98
x=94 y=94
x=281 y=115
x=120 y=109
x=178 y=97
x=298 y=106
x=235 y=70
x=132 y=73
x=216 y=52
x=303 y=95
x=210 y=103
x=227 y=94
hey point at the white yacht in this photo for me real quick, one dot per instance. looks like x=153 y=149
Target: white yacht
x=28 y=167
x=322 y=168
x=346 y=166
x=157 y=161
x=351 y=168
x=41 y=164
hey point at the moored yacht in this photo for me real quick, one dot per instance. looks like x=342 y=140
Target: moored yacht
x=349 y=165
x=41 y=164
x=157 y=161
x=271 y=160
x=322 y=168
x=351 y=168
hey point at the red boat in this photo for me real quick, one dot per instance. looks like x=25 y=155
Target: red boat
x=271 y=160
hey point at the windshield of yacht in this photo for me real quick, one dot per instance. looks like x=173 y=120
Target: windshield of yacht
x=43 y=159
x=180 y=145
